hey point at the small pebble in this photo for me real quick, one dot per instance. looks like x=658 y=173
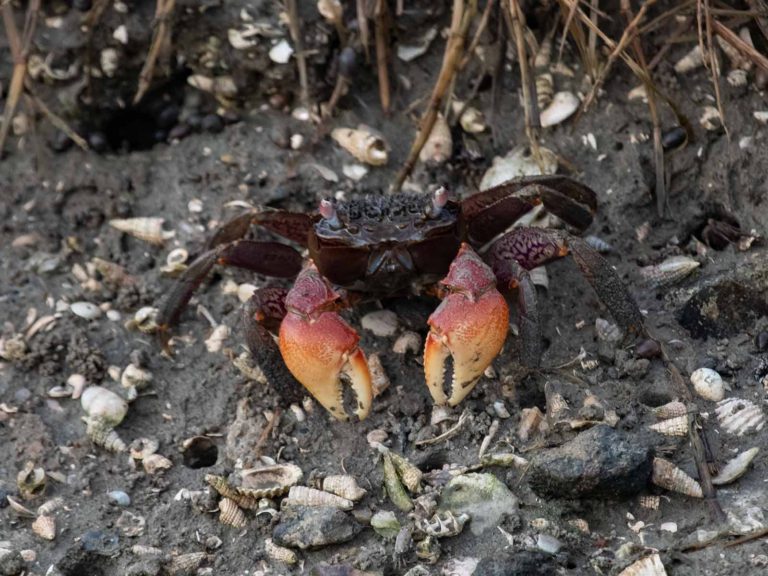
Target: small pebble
x=761 y=341
x=85 y=310
x=98 y=141
x=119 y=497
x=382 y=323
x=212 y=123
x=648 y=348
x=548 y=544
x=708 y=384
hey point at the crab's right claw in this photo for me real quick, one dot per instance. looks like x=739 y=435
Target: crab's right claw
x=469 y=327
x=321 y=349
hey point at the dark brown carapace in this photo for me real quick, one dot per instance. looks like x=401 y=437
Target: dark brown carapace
x=375 y=246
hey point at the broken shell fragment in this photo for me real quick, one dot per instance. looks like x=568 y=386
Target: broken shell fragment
x=280 y=553
x=690 y=61
x=407 y=342
x=231 y=514
x=216 y=340
x=175 y=262
x=677 y=426
x=143 y=447
x=30 y=481
x=648 y=566
x=86 y=310
x=379 y=379
x=145 y=320
x=710 y=119
x=134 y=377
x=394 y=487
x=668 y=476
x=517 y=163
x=472 y=121
x=385 y=524
x=708 y=384
x=409 y=474
x=344 y=486
x=45 y=527
x=735 y=468
x=443 y=524
x=362 y=144
x=562 y=107
x=530 y=419
x=439 y=145
x=739 y=417
x=149 y=229
x=50 y=506
x=305 y=496
x=670 y=410
x=156 y=463
x=669 y=272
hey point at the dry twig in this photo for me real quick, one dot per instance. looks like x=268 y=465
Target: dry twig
x=381 y=15
x=294 y=25
x=161 y=42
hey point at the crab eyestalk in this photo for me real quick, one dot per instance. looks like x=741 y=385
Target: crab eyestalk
x=328 y=212
x=320 y=348
x=469 y=327
x=439 y=200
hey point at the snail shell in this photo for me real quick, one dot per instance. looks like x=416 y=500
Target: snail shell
x=668 y=272
x=439 y=145
x=409 y=474
x=648 y=566
x=155 y=463
x=306 y=496
x=231 y=514
x=394 y=487
x=45 y=527
x=185 y=563
x=677 y=426
x=735 y=468
x=708 y=384
x=104 y=406
x=739 y=417
x=30 y=481
x=51 y=506
x=344 y=486
x=670 y=477
x=104 y=436
x=670 y=410
x=149 y=229
x=362 y=144
x=530 y=419
x=562 y=107
x=280 y=553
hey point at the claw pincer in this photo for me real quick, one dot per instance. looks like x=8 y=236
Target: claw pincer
x=469 y=326
x=320 y=348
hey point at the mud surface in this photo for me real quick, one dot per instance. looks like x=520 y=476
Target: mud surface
x=55 y=208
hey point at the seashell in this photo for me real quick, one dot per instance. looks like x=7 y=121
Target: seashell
x=710 y=119
x=670 y=477
x=271 y=481
x=708 y=384
x=539 y=277
x=135 y=377
x=331 y=10
x=175 y=262
x=472 y=121
x=216 y=340
x=305 y=496
x=545 y=89
x=428 y=550
x=738 y=77
x=30 y=481
x=156 y=463
x=104 y=405
x=145 y=320
x=149 y=229
x=580 y=524
x=77 y=383
x=394 y=487
x=19 y=508
x=761 y=116
x=598 y=244
x=409 y=474
x=376 y=437
x=670 y=410
x=379 y=379
x=439 y=145
x=281 y=52
x=143 y=447
x=109 y=59
x=45 y=527
x=245 y=291
x=51 y=506
x=280 y=553
x=735 y=468
x=385 y=524
x=517 y=163
x=142 y=550
x=677 y=426
x=61 y=391
x=443 y=524
x=648 y=566
x=638 y=93
x=231 y=514
x=505 y=459
x=557 y=408
x=563 y=105
x=417 y=46
x=407 y=342
x=344 y=486
x=739 y=417
x=105 y=437
x=530 y=419
x=185 y=563
x=669 y=272
x=86 y=310
x=235 y=493
x=362 y=144
x=119 y=497
x=218 y=85
x=692 y=60
x=354 y=172
x=650 y=502
x=241 y=39
x=130 y=524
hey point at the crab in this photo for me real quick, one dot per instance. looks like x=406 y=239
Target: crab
x=379 y=246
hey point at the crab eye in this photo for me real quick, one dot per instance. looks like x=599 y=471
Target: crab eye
x=439 y=200
x=328 y=212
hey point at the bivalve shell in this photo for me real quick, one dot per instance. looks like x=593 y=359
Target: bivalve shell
x=231 y=514
x=305 y=496
x=362 y=144
x=708 y=384
x=735 y=468
x=280 y=553
x=271 y=481
x=45 y=527
x=344 y=486
x=562 y=107
x=739 y=417
x=670 y=477
x=149 y=229
x=668 y=272
x=677 y=426
x=648 y=566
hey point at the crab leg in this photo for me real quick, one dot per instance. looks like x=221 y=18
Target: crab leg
x=469 y=327
x=319 y=347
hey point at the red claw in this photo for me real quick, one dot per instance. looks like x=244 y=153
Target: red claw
x=470 y=325
x=318 y=346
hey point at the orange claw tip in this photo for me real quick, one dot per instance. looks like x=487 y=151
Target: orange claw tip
x=318 y=352
x=472 y=334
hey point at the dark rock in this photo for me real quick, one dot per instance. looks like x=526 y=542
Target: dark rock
x=335 y=570
x=11 y=563
x=212 y=123
x=100 y=542
x=168 y=117
x=648 y=348
x=598 y=463
x=98 y=141
x=761 y=341
x=82 y=5
x=179 y=132
x=313 y=527
x=525 y=563
x=61 y=142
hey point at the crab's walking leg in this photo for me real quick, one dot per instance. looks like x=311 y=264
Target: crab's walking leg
x=533 y=247
x=527 y=316
x=469 y=328
x=320 y=348
x=268 y=258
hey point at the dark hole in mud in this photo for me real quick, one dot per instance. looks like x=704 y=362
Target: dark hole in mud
x=200 y=452
x=721 y=310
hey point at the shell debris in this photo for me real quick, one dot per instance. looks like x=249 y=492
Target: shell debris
x=231 y=514
x=735 y=468
x=363 y=144
x=45 y=527
x=562 y=107
x=156 y=463
x=280 y=553
x=305 y=496
x=738 y=416
x=648 y=566
x=344 y=486
x=439 y=145
x=668 y=476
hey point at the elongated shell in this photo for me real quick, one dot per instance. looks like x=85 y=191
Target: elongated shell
x=439 y=145
x=45 y=527
x=231 y=514
x=650 y=502
x=670 y=410
x=648 y=566
x=690 y=61
x=185 y=563
x=409 y=474
x=677 y=426
x=244 y=498
x=670 y=477
x=280 y=553
x=149 y=229
x=305 y=496
x=562 y=107
x=735 y=468
x=104 y=436
x=51 y=506
x=739 y=417
x=394 y=487
x=668 y=272
x=362 y=144
x=344 y=486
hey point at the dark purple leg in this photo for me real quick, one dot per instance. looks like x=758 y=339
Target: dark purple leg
x=290 y=225
x=527 y=316
x=262 y=316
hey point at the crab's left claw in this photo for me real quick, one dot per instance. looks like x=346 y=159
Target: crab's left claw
x=469 y=327
x=320 y=348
